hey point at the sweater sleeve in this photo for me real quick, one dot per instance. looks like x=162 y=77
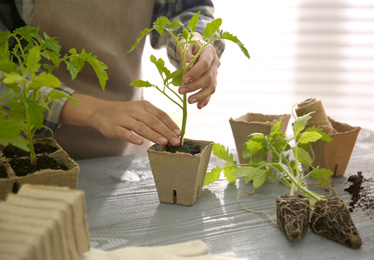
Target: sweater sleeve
x=52 y=117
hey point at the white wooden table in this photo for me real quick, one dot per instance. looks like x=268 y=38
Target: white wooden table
x=123 y=210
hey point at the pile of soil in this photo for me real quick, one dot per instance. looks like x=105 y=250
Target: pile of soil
x=187 y=147
x=362 y=191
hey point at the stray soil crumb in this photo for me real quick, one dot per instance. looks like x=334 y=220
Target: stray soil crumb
x=362 y=191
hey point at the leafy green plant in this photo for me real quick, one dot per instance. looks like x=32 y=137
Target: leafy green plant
x=26 y=68
x=175 y=78
x=287 y=160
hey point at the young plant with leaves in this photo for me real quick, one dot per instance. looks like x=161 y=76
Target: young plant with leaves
x=183 y=40
x=25 y=70
x=287 y=161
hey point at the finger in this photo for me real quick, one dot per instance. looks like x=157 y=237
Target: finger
x=155 y=125
x=127 y=135
x=206 y=60
x=203 y=103
x=164 y=118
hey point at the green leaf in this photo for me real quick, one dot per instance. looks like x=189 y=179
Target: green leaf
x=160 y=65
x=211 y=28
x=55 y=94
x=256 y=174
x=35 y=112
x=177 y=77
x=7 y=66
x=300 y=123
x=16 y=111
x=175 y=25
x=227 y=170
x=13 y=77
x=260 y=178
x=48 y=80
x=10 y=134
x=276 y=127
x=32 y=62
x=244 y=172
x=230 y=37
x=54 y=57
x=309 y=137
x=193 y=22
x=4 y=47
x=323 y=176
x=98 y=66
x=29 y=33
x=220 y=151
x=324 y=136
x=51 y=43
x=160 y=24
x=72 y=68
x=142 y=34
x=213 y=175
x=252 y=147
x=141 y=84
x=302 y=156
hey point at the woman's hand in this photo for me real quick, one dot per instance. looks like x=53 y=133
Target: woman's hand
x=123 y=120
x=202 y=75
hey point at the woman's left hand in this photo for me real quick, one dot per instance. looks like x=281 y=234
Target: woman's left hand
x=202 y=75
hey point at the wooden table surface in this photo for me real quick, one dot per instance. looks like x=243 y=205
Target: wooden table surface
x=123 y=210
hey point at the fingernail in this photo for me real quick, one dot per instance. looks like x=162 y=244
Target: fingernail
x=177 y=131
x=193 y=100
x=175 y=141
x=183 y=90
x=187 y=79
x=201 y=106
x=139 y=141
x=162 y=140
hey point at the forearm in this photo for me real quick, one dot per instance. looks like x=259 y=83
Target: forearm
x=82 y=114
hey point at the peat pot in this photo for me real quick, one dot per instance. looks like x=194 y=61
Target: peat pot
x=251 y=123
x=179 y=177
x=65 y=173
x=335 y=155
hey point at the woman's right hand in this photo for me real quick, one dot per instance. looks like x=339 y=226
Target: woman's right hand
x=128 y=121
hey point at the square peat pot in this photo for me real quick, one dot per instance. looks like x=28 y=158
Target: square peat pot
x=67 y=176
x=335 y=155
x=179 y=177
x=7 y=179
x=251 y=123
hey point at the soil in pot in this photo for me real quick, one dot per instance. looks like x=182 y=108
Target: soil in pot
x=11 y=151
x=22 y=166
x=3 y=173
x=361 y=190
x=331 y=219
x=293 y=216
x=187 y=147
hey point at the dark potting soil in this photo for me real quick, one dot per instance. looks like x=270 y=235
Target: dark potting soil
x=22 y=166
x=3 y=173
x=11 y=151
x=293 y=216
x=362 y=191
x=187 y=147
x=331 y=219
